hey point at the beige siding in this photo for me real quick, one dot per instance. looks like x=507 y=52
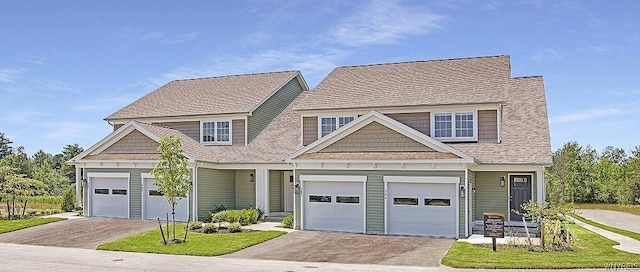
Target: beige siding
x=490 y=196
x=245 y=190
x=309 y=130
x=190 y=128
x=418 y=120
x=377 y=138
x=488 y=126
x=275 y=191
x=117 y=126
x=238 y=132
x=215 y=187
x=134 y=143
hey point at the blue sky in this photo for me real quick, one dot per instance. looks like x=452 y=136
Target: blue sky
x=65 y=65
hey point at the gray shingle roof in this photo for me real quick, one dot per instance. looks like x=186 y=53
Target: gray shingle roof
x=435 y=82
x=203 y=96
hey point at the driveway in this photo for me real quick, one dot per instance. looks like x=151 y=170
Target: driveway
x=347 y=248
x=621 y=220
x=81 y=233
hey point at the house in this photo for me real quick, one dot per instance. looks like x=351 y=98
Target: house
x=413 y=148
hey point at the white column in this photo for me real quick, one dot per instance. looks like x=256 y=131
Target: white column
x=540 y=186
x=78 y=186
x=262 y=190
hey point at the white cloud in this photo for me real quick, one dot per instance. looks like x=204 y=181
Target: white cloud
x=603 y=49
x=69 y=130
x=9 y=75
x=545 y=55
x=20 y=116
x=181 y=38
x=108 y=104
x=585 y=115
x=384 y=22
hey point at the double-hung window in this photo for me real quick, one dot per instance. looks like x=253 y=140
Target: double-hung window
x=329 y=124
x=455 y=126
x=215 y=132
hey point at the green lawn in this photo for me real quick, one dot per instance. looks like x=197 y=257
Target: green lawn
x=11 y=225
x=593 y=251
x=197 y=244
x=632 y=209
x=627 y=233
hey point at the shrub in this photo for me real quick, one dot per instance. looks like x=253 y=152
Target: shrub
x=287 y=221
x=248 y=216
x=233 y=216
x=68 y=200
x=220 y=216
x=219 y=208
x=196 y=225
x=234 y=227
x=207 y=217
x=210 y=228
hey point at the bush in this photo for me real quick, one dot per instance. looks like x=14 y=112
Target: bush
x=196 y=225
x=234 y=227
x=248 y=216
x=220 y=216
x=219 y=208
x=208 y=216
x=233 y=216
x=209 y=228
x=244 y=217
x=287 y=221
x=68 y=200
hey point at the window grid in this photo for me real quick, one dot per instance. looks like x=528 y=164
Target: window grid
x=330 y=124
x=216 y=132
x=454 y=125
x=464 y=124
x=442 y=125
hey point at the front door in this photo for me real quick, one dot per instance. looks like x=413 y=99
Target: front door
x=520 y=187
x=288 y=191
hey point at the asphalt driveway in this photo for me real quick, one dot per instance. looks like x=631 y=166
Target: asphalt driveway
x=621 y=220
x=320 y=246
x=80 y=233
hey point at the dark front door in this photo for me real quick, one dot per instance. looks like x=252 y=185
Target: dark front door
x=520 y=194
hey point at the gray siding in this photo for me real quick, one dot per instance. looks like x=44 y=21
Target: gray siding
x=266 y=112
x=245 y=190
x=418 y=120
x=135 y=187
x=375 y=193
x=189 y=128
x=488 y=126
x=275 y=191
x=238 y=132
x=215 y=187
x=309 y=130
x=471 y=176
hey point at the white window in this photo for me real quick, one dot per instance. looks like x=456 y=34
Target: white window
x=455 y=126
x=329 y=124
x=215 y=132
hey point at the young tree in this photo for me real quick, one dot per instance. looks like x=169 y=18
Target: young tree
x=17 y=185
x=5 y=146
x=172 y=174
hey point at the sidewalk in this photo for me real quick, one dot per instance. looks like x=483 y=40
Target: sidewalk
x=625 y=243
x=621 y=220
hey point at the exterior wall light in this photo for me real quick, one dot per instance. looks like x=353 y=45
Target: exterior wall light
x=502 y=181
x=251 y=178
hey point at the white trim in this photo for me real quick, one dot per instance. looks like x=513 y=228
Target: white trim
x=90 y=188
x=466 y=202
x=423 y=180
x=383 y=165
x=245 y=166
x=246 y=131
x=261 y=180
x=499 y=126
x=344 y=178
x=215 y=132
x=173 y=119
x=505 y=167
x=337 y=118
x=509 y=190
x=399 y=109
x=453 y=137
x=286 y=182
x=195 y=194
x=540 y=186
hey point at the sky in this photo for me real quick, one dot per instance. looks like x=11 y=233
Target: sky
x=66 y=65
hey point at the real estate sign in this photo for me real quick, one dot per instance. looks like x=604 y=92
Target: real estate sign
x=493 y=225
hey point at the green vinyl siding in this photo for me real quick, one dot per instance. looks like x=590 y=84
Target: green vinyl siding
x=375 y=193
x=275 y=191
x=471 y=177
x=245 y=190
x=215 y=187
x=275 y=104
x=135 y=187
x=490 y=196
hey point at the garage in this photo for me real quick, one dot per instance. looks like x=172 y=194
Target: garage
x=335 y=203
x=155 y=205
x=109 y=196
x=424 y=206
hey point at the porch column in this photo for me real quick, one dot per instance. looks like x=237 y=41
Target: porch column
x=262 y=190
x=78 y=186
x=540 y=186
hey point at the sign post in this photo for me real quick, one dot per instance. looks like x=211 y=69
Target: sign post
x=493 y=226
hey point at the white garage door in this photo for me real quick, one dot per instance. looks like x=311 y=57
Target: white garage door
x=334 y=205
x=157 y=206
x=109 y=197
x=422 y=209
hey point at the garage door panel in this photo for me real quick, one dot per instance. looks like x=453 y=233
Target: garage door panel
x=110 y=197
x=337 y=206
x=157 y=206
x=421 y=209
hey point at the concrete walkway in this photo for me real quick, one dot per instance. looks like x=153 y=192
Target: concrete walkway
x=621 y=220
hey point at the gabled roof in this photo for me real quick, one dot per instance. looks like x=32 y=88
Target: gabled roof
x=208 y=96
x=434 y=82
x=310 y=152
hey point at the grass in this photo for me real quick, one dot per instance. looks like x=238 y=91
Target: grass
x=11 y=225
x=592 y=251
x=198 y=244
x=627 y=233
x=632 y=209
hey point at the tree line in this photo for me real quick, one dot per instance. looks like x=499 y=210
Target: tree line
x=41 y=173
x=581 y=174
